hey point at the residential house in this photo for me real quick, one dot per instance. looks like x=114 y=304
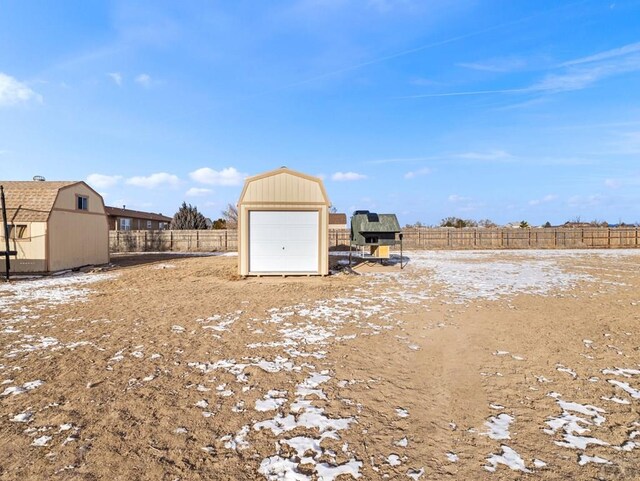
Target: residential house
x=127 y=219
x=337 y=221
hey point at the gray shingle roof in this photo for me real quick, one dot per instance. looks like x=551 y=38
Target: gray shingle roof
x=31 y=201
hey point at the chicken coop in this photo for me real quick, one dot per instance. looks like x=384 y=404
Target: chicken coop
x=374 y=232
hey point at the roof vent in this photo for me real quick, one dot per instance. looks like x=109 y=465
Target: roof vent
x=38 y=178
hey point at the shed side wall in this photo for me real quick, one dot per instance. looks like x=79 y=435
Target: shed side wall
x=31 y=250
x=76 y=237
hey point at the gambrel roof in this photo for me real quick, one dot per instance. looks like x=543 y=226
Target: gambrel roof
x=31 y=201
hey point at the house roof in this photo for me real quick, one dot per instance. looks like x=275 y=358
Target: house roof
x=31 y=201
x=338 y=219
x=135 y=214
x=375 y=223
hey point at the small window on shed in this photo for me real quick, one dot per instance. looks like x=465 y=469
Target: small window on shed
x=83 y=202
x=148 y=224
x=17 y=231
x=371 y=239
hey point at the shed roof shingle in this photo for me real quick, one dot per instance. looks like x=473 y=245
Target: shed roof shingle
x=31 y=201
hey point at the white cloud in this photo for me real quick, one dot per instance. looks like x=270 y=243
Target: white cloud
x=416 y=173
x=13 y=92
x=143 y=79
x=116 y=77
x=506 y=64
x=544 y=200
x=344 y=176
x=585 y=200
x=490 y=155
x=101 y=181
x=197 y=191
x=607 y=54
x=612 y=183
x=576 y=74
x=154 y=180
x=458 y=198
x=226 y=176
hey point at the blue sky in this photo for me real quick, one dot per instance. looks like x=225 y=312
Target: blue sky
x=477 y=109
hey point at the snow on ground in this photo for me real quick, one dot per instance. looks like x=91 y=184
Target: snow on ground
x=491 y=275
x=573 y=426
x=509 y=458
x=305 y=432
x=46 y=292
x=499 y=426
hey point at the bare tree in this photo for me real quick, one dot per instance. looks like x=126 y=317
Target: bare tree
x=230 y=215
x=488 y=223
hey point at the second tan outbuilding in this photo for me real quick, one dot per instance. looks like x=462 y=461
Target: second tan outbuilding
x=283 y=225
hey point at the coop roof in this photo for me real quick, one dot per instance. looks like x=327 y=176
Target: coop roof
x=31 y=201
x=371 y=222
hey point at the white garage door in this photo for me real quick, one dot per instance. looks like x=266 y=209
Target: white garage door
x=283 y=241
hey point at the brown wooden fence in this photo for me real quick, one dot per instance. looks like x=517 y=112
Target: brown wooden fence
x=422 y=238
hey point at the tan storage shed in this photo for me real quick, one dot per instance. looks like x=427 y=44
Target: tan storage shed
x=283 y=225
x=54 y=226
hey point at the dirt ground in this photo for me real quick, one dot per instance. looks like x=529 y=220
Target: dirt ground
x=463 y=365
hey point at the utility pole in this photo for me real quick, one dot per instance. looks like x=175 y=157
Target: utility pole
x=5 y=223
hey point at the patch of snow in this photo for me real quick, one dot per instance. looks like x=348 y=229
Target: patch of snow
x=634 y=393
x=572 y=425
x=403 y=443
x=27 y=386
x=328 y=472
x=615 y=400
x=394 y=460
x=237 y=441
x=538 y=463
x=508 y=458
x=24 y=417
x=561 y=368
x=415 y=474
x=622 y=372
x=41 y=441
x=49 y=291
x=584 y=459
x=402 y=413
x=498 y=426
